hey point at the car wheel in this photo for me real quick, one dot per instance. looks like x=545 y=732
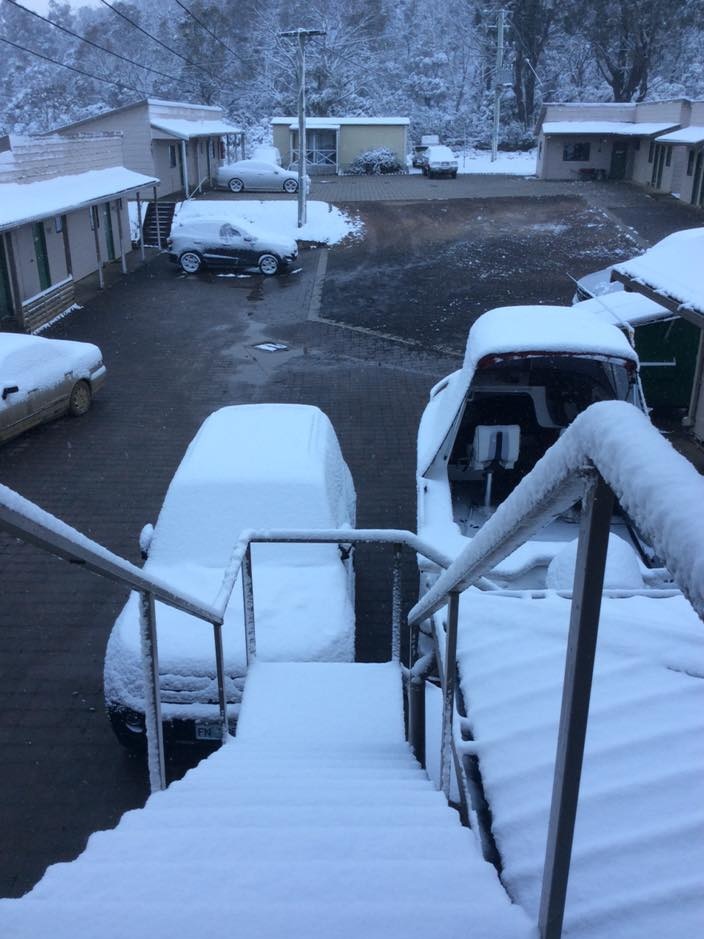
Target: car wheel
x=290 y=185
x=236 y=185
x=454 y=175
x=190 y=262
x=80 y=399
x=268 y=264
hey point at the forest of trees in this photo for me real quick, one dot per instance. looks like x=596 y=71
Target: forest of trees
x=431 y=60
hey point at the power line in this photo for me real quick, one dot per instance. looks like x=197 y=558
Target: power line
x=158 y=41
x=72 y=68
x=208 y=30
x=69 y=32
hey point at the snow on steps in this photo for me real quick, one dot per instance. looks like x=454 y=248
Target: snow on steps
x=314 y=821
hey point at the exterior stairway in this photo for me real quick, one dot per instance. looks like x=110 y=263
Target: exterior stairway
x=150 y=231
x=315 y=821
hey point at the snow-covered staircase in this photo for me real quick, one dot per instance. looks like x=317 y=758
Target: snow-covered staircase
x=315 y=821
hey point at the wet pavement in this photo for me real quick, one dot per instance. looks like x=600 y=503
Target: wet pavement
x=369 y=328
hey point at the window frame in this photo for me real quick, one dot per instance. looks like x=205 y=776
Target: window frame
x=576 y=149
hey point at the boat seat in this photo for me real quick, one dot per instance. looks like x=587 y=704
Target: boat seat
x=495 y=445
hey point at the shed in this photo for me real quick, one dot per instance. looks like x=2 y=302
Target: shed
x=332 y=143
x=670 y=274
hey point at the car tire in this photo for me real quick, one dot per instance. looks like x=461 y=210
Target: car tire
x=236 y=185
x=80 y=399
x=454 y=175
x=290 y=185
x=268 y=264
x=190 y=262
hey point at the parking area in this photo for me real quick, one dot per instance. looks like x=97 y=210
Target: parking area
x=368 y=327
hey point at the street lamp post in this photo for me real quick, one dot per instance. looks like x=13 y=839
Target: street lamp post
x=301 y=35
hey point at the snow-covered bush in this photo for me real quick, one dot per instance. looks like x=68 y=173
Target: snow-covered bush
x=373 y=162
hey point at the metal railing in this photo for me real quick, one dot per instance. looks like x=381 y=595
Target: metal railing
x=316 y=157
x=26 y=521
x=593 y=461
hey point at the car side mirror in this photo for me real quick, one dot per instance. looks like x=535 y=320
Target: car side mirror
x=145 y=540
x=9 y=390
x=248 y=238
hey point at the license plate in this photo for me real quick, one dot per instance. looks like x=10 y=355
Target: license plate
x=208 y=730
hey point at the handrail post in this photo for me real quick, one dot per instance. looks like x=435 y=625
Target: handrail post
x=220 y=669
x=448 y=691
x=396 y=606
x=593 y=543
x=152 y=696
x=248 y=600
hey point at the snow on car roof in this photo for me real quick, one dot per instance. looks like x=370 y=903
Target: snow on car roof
x=554 y=329
x=673 y=268
x=252 y=466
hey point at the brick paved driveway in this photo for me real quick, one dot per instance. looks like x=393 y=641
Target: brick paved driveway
x=176 y=348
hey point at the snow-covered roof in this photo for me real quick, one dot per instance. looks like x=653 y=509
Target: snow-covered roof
x=693 y=134
x=322 y=122
x=158 y=102
x=186 y=130
x=27 y=202
x=672 y=268
x=550 y=330
x=611 y=128
x=622 y=306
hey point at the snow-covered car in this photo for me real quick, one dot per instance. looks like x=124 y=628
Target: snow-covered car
x=249 y=467
x=198 y=242
x=418 y=157
x=44 y=378
x=439 y=160
x=256 y=175
x=527 y=373
x=267 y=154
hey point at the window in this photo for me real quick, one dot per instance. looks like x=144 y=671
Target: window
x=172 y=155
x=690 y=162
x=576 y=152
x=651 y=151
x=668 y=155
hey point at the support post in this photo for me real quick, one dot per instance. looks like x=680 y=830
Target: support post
x=500 y=17
x=98 y=252
x=597 y=506
x=140 y=223
x=416 y=717
x=396 y=606
x=302 y=143
x=156 y=216
x=152 y=697
x=184 y=162
x=448 y=690
x=67 y=245
x=123 y=262
x=220 y=671
x=248 y=599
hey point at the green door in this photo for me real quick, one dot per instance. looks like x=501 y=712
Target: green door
x=6 y=309
x=109 y=238
x=618 y=160
x=41 y=255
x=668 y=355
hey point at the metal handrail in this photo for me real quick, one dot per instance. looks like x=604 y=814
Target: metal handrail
x=594 y=460
x=26 y=521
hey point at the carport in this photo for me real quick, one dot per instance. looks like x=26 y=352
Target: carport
x=670 y=274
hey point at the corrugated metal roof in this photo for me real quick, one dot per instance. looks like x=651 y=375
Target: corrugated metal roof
x=21 y=203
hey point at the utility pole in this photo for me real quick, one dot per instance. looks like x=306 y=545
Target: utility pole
x=498 y=81
x=301 y=35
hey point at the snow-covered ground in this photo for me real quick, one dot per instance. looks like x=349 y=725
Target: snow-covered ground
x=506 y=164
x=326 y=223
x=513 y=163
